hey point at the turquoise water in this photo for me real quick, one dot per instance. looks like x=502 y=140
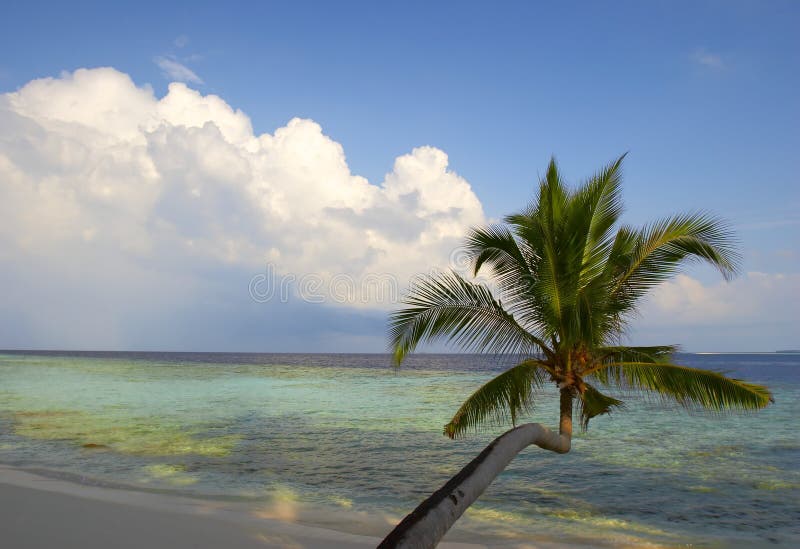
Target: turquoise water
x=345 y=435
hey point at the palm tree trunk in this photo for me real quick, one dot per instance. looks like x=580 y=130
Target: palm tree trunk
x=424 y=527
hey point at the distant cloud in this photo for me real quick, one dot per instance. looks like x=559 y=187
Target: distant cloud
x=753 y=296
x=753 y=310
x=181 y=41
x=707 y=59
x=175 y=71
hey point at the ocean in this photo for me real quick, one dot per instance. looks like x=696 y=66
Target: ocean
x=348 y=442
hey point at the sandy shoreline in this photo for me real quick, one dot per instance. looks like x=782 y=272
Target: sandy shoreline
x=38 y=512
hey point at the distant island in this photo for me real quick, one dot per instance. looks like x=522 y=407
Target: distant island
x=797 y=351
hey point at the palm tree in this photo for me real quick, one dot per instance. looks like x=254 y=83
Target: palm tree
x=570 y=280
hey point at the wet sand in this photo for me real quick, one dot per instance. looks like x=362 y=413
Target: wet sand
x=40 y=512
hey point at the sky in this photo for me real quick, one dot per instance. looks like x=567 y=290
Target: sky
x=230 y=177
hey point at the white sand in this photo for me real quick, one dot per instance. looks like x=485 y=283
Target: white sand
x=39 y=512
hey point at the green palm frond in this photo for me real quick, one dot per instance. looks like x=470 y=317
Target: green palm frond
x=501 y=399
x=652 y=354
x=594 y=209
x=464 y=313
x=689 y=387
x=602 y=197
x=593 y=403
x=653 y=254
x=496 y=247
x=541 y=227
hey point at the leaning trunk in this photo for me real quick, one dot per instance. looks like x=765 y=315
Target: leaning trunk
x=428 y=523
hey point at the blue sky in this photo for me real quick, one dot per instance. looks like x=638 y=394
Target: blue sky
x=702 y=94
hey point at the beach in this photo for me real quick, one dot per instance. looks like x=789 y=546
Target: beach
x=43 y=512
x=319 y=450
x=40 y=512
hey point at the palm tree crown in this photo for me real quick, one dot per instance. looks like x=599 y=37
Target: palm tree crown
x=570 y=278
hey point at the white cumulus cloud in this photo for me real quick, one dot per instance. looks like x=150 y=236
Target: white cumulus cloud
x=96 y=172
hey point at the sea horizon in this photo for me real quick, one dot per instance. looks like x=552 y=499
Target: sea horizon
x=422 y=352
